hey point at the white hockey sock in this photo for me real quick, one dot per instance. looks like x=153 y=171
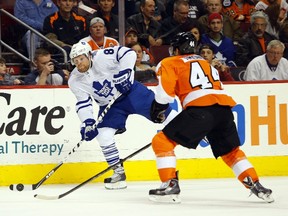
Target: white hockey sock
x=111 y=154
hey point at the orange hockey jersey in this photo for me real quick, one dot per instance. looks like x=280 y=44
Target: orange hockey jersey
x=234 y=11
x=193 y=80
x=108 y=42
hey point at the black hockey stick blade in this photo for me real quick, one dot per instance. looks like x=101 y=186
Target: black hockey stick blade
x=24 y=187
x=21 y=187
x=45 y=197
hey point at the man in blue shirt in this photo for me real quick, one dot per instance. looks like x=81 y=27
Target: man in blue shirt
x=33 y=13
x=223 y=46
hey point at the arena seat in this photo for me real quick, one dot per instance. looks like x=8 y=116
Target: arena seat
x=238 y=73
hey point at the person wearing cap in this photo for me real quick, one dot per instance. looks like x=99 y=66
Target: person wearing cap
x=131 y=37
x=231 y=28
x=105 y=12
x=207 y=52
x=223 y=46
x=255 y=41
x=97 y=39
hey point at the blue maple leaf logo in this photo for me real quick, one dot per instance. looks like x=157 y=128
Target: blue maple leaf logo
x=104 y=90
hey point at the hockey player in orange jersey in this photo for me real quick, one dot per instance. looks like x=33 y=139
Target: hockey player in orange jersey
x=206 y=113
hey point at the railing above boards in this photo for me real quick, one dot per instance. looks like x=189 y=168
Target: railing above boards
x=33 y=33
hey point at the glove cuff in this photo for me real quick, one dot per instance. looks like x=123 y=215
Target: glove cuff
x=159 y=107
x=89 y=122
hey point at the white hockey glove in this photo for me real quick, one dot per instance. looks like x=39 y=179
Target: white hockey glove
x=88 y=130
x=122 y=81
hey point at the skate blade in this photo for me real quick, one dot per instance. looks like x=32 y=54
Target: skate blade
x=165 y=199
x=116 y=185
x=267 y=198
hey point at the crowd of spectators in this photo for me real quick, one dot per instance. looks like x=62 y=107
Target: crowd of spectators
x=232 y=33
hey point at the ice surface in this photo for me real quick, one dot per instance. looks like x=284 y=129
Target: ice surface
x=200 y=197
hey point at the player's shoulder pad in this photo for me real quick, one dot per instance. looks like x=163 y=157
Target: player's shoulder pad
x=124 y=51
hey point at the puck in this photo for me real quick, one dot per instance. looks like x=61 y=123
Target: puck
x=19 y=187
x=11 y=187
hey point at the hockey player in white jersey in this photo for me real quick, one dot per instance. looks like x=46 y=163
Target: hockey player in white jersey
x=99 y=76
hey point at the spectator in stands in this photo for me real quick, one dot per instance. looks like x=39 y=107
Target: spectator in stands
x=263 y=4
x=283 y=37
x=111 y=20
x=33 y=14
x=197 y=8
x=131 y=37
x=65 y=27
x=140 y=64
x=97 y=39
x=255 y=41
x=46 y=72
x=144 y=71
x=148 y=29
x=179 y=22
x=207 y=52
x=274 y=22
x=269 y=66
x=223 y=46
x=239 y=10
x=197 y=31
x=6 y=78
x=160 y=10
x=231 y=28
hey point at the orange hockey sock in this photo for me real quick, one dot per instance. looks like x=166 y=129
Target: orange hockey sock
x=166 y=160
x=241 y=167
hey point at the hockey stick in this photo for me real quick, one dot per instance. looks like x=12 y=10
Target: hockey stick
x=21 y=187
x=45 y=197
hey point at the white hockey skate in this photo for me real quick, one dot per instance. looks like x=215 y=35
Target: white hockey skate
x=117 y=180
x=257 y=189
x=167 y=193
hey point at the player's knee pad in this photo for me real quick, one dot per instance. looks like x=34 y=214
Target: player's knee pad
x=233 y=157
x=162 y=145
x=106 y=136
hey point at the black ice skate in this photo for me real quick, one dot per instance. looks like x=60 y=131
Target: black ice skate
x=168 y=192
x=257 y=189
x=117 y=180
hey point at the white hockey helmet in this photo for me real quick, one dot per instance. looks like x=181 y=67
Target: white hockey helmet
x=78 y=49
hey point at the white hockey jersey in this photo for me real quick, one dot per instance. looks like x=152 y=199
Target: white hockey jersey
x=258 y=69
x=97 y=82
